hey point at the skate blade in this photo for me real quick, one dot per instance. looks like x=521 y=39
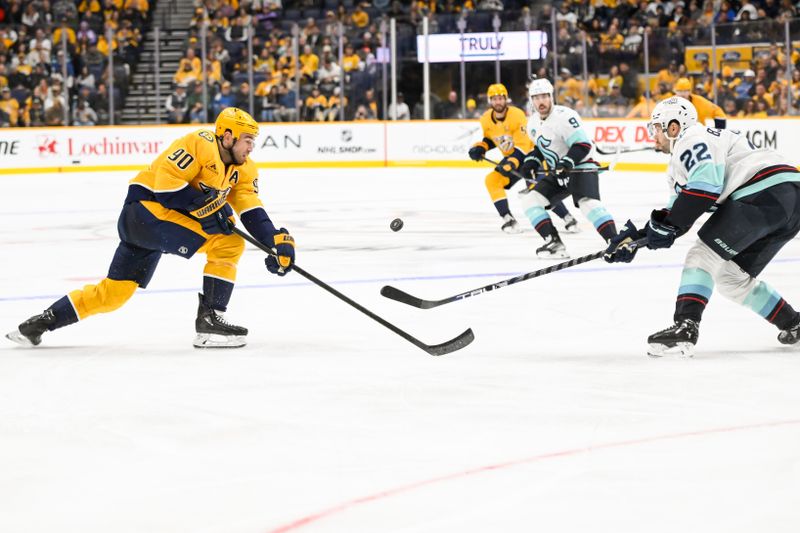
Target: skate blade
x=551 y=255
x=575 y=228
x=210 y=340
x=682 y=350
x=19 y=338
x=512 y=230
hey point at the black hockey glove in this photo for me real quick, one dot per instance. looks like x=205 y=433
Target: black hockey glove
x=620 y=247
x=284 y=247
x=477 y=152
x=660 y=234
x=562 y=169
x=530 y=166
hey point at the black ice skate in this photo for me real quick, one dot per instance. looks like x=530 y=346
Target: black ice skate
x=678 y=339
x=552 y=248
x=510 y=225
x=571 y=225
x=790 y=336
x=30 y=332
x=214 y=332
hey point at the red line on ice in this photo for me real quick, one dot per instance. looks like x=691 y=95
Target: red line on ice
x=319 y=515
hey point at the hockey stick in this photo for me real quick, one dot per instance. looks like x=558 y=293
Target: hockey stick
x=396 y=294
x=545 y=173
x=626 y=151
x=437 y=349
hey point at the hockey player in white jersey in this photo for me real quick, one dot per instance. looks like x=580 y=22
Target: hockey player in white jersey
x=755 y=195
x=561 y=143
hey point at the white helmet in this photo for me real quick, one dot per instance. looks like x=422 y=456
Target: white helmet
x=540 y=86
x=672 y=109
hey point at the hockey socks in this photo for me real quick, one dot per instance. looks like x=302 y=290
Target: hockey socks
x=766 y=301
x=540 y=221
x=217 y=292
x=599 y=217
x=502 y=207
x=693 y=294
x=561 y=210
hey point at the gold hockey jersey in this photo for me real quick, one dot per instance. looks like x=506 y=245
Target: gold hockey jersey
x=507 y=134
x=194 y=160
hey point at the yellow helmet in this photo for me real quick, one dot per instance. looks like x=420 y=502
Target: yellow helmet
x=235 y=120
x=496 y=89
x=683 y=84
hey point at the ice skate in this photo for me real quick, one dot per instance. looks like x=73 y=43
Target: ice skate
x=790 y=336
x=678 y=339
x=213 y=331
x=571 y=224
x=552 y=248
x=510 y=225
x=30 y=332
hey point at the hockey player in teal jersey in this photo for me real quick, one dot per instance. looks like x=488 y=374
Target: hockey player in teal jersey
x=755 y=198
x=562 y=145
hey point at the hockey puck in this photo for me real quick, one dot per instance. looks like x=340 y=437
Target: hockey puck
x=396 y=224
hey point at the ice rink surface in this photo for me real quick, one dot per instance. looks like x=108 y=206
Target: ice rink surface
x=553 y=420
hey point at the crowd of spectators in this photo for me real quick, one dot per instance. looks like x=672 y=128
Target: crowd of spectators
x=40 y=85
x=324 y=84
x=610 y=33
x=612 y=36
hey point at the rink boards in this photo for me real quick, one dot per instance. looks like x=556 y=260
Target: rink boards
x=331 y=145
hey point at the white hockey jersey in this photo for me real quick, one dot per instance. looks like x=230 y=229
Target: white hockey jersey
x=556 y=134
x=718 y=164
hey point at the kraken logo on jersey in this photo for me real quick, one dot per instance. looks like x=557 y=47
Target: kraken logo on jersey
x=543 y=143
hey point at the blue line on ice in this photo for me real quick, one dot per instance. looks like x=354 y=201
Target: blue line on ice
x=499 y=275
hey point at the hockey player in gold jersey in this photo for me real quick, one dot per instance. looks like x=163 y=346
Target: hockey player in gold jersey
x=183 y=204
x=504 y=128
x=706 y=109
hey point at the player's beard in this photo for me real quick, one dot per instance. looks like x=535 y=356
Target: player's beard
x=500 y=111
x=544 y=110
x=234 y=158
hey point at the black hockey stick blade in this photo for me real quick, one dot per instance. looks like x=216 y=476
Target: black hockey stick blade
x=452 y=345
x=464 y=339
x=393 y=293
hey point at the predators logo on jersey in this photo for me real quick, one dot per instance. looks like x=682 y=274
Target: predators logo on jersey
x=506 y=134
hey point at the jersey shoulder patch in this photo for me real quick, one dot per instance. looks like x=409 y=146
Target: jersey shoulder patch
x=566 y=113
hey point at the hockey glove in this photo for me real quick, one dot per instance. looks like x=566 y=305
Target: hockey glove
x=213 y=213
x=660 y=234
x=620 y=247
x=282 y=262
x=562 y=169
x=505 y=168
x=477 y=152
x=530 y=167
